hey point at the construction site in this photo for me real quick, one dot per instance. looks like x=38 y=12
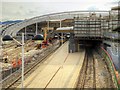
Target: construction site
x=67 y=50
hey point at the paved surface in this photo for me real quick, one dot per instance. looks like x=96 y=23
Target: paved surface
x=60 y=70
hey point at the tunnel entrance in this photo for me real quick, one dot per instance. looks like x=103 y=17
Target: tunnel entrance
x=90 y=43
x=76 y=44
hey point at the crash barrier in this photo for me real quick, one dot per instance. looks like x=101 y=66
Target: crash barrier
x=111 y=67
x=11 y=75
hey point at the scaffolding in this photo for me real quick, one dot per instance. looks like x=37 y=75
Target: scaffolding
x=114 y=25
x=89 y=27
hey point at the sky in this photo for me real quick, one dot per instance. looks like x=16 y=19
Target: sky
x=25 y=9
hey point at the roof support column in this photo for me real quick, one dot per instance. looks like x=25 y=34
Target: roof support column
x=25 y=32
x=60 y=27
x=36 y=29
x=60 y=23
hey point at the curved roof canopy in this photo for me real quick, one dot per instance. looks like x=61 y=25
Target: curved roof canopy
x=12 y=30
x=64 y=29
x=116 y=8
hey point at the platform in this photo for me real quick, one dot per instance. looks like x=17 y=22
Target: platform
x=60 y=70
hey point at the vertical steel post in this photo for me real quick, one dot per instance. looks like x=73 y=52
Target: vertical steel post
x=25 y=33
x=22 y=82
x=60 y=27
x=47 y=30
x=48 y=24
x=62 y=38
x=60 y=23
x=36 y=28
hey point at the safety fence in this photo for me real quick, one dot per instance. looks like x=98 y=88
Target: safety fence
x=11 y=75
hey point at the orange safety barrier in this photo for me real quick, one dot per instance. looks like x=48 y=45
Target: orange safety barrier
x=14 y=64
x=43 y=46
x=19 y=62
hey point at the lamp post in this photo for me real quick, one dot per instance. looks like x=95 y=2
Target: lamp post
x=36 y=28
x=22 y=84
x=9 y=38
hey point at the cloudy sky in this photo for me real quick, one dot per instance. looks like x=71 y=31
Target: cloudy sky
x=24 y=9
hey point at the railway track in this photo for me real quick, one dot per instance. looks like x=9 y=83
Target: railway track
x=87 y=76
x=94 y=73
x=17 y=82
x=29 y=68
